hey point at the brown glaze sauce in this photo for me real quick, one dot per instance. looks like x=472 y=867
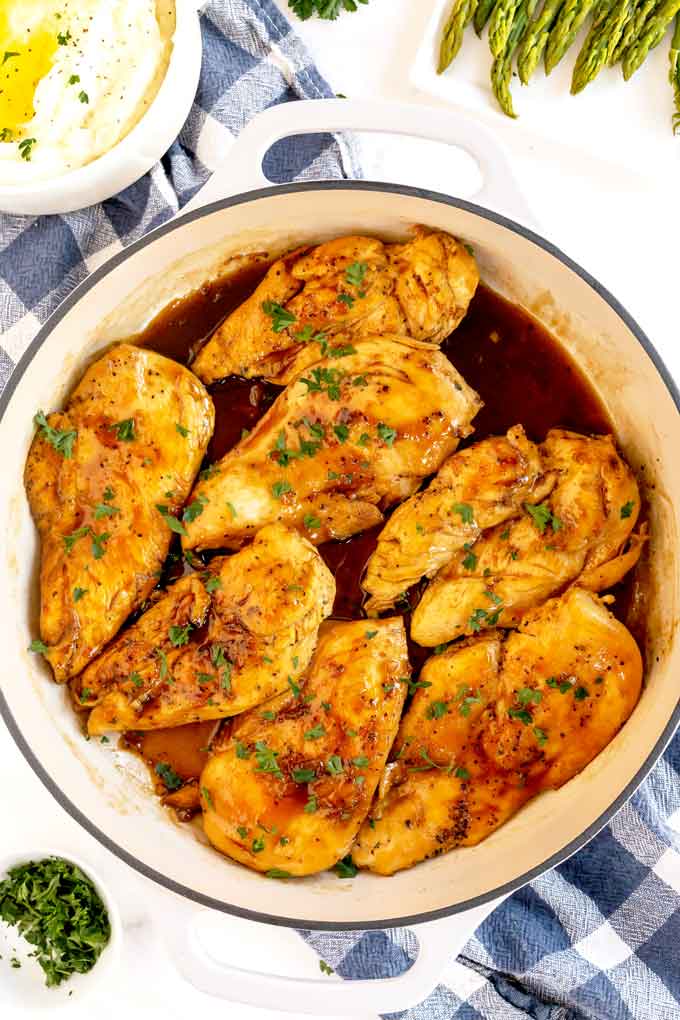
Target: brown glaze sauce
x=521 y=372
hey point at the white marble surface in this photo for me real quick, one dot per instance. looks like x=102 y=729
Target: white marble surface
x=625 y=234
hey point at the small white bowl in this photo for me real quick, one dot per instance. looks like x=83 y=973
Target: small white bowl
x=137 y=152
x=24 y=987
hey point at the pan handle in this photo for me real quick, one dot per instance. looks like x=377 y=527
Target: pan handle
x=438 y=942
x=242 y=170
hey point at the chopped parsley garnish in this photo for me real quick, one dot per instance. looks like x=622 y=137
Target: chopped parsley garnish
x=541 y=736
x=360 y=381
x=347 y=299
x=627 y=509
x=266 y=759
x=163 y=659
x=311 y=522
x=307 y=335
x=277 y=873
x=63 y=38
x=283 y=455
x=136 y=679
x=105 y=510
x=180 y=635
x=210 y=471
x=370 y=634
x=78 y=593
x=258 y=845
x=62 y=440
x=542 y=516
x=364 y=439
x=464 y=511
x=38 y=647
x=581 y=693
x=346 y=868
x=171 y=520
x=461 y=773
x=315 y=732
x=85 y=694
x=8 y=55
x=326 y=380
x=470 y=559
x=437 y=709
x=521 y=714
x=311 y=805
x=334 y=765
x=184 y=432
x=57 y=909
x=242 y=831
x=387 y=434
x=477 y=619
x=169 y=777
x=205 y=678
x=467 y=699
x=414 y=685
x=74 y=79
x=205 y=793
x=268 y=715
x=295 y=688
x=323 y=966
x=361 y=762
x=562 y=685
x=505 y=535
x=232 y=510
x=341 y=432
x=83 y=96
x=213 y=584
x=528 y=696
x=241 y=750
x=99 y=543
x=70 y=540
x=281 y=318
x=125 y=430
x=280 y=489
x=303 y=775
x=26 y=148
x=355 y=274
x=194 y=510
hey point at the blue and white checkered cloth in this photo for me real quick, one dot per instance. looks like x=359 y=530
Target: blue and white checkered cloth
x=599 y=937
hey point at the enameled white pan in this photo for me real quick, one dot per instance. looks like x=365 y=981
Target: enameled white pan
x=108 y=792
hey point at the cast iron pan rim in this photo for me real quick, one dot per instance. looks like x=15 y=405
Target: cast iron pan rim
x=51 y=784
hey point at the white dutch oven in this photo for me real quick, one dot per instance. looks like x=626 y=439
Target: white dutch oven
x=108 y=793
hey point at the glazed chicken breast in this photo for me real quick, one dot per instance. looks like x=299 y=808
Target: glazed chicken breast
x=102 y=477
x=475 y=489
x=350 y=286
x=580 y=531
x=344 y=441
x=292 y=785
x=497 y=720
x=215 y=643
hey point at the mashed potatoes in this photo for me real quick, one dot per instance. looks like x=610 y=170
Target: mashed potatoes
x=75 y=77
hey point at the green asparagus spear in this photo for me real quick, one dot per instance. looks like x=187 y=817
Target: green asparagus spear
x=501 y=23
x=452 y=36
x=653 y=31
x=632 y=28
x=535 y=40
x=604 y=34
x=565 y=30
x=501 y=70
x=482 y=14
x=675 y=73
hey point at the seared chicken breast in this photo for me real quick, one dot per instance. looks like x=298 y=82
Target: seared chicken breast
x=292 y=785
x=580 y=531
x=216 y=643
x=351 y=286
x=102 y=479
x=344 y=441
x=496 y=720
x=475 y=489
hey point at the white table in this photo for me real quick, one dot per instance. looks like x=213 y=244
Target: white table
x=625 y=237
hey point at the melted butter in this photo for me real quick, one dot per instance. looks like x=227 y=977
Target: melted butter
x=28 y=43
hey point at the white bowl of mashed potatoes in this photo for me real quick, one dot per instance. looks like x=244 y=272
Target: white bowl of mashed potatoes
x=92 y=93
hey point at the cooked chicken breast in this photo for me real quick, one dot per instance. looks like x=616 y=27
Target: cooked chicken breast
x=216 y=643
x=496 y=721
x=475 y=489
x=351 y=286
x=131 y=440
x=580 y=531
x=294 y=783
x=342 y=443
